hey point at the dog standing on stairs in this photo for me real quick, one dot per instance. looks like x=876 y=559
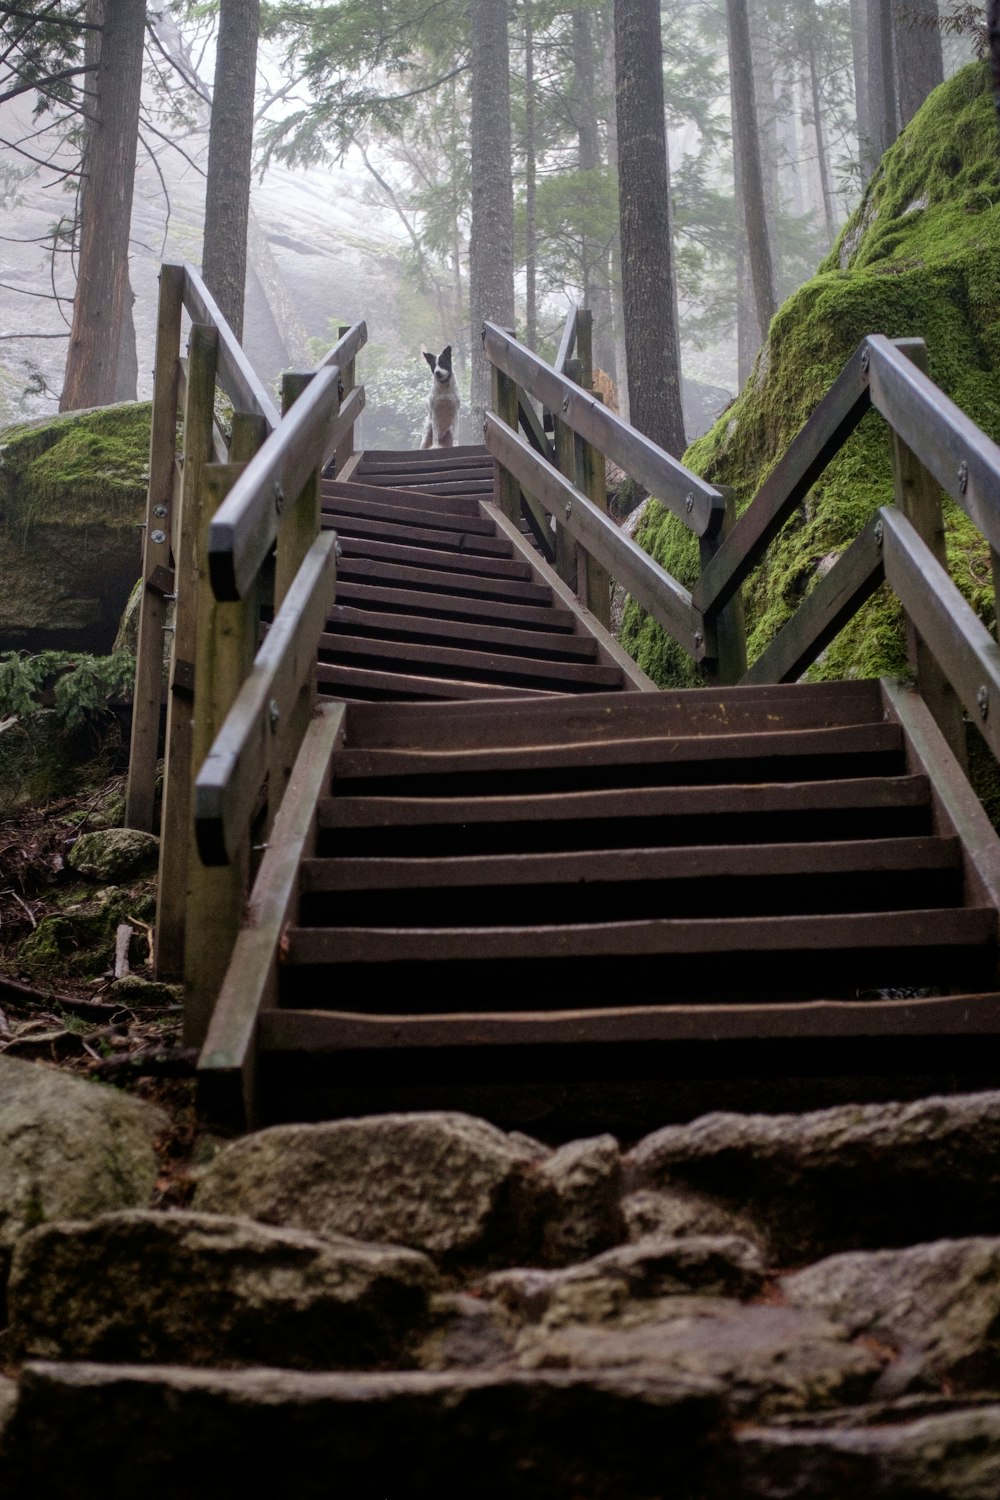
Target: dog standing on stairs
x=442 y=403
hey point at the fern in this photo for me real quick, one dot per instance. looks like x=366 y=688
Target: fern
x=76 y=685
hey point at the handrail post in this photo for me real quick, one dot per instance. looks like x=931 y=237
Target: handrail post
x=729 y=623
x=595 y=581
x=345 y=449
x=918 y=496
x=503 y=393
x=568 y=463
x=227 y=643
x=157 y=573
x=176 y=837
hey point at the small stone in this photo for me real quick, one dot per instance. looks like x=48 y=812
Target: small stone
x=581 y=1182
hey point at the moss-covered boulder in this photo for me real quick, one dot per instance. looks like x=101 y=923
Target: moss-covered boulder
x=920 y=257
x=72 y=499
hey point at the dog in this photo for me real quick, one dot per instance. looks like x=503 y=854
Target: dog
x=442 y=403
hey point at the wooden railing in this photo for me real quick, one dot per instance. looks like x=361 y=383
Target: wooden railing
x=232 y=537
x=935 y=447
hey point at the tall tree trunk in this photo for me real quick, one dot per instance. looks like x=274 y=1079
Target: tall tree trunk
x=230 y=154
x=881 y=82
x=822 y=162
x=745 y=128
x=919 y=61
x=491 y=236
x=102 y=289
x=595 y=255
x=530 y=183
x=859 y=55
x=652 y=343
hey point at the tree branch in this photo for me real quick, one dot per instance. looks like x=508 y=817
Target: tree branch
x=49 y=19
x=40 y=83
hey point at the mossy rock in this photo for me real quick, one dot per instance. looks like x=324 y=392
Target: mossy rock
x=919 y=258
x=114 y=855
x=79 y=942
x=72 y=500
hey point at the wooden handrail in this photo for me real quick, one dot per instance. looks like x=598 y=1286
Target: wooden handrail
x=699 y=505
x=244 y=528
x=235 y=374
x=567 y=342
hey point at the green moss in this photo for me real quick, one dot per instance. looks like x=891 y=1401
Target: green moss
x=920 y=257
x=80 y=941
x=101 y=456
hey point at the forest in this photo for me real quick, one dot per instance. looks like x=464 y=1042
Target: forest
x=519 y=159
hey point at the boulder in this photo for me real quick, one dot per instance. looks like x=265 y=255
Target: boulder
x=69 y=1149
x=445 y=1183
x=851 y=1177
x=72 y=500
x=114 y=855
x=94 y=1432
x=680 y=1213
x=193 y=1288
x=939 y=1304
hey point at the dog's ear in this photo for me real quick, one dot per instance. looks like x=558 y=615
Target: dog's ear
x=430 y=359
x=444 y=358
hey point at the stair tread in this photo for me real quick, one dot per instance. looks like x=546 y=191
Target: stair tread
x=680 y=863
x=926 y=928
x=399 y=626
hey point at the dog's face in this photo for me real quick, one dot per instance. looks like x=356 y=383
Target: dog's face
x=440 y=364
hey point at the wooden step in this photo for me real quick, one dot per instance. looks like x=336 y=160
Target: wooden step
x=401 y=501
x=550 y=644
x=538 y=614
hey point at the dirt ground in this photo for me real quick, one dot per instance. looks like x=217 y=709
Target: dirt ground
x=68 y=1012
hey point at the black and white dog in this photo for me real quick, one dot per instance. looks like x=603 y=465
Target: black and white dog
x=442 y=403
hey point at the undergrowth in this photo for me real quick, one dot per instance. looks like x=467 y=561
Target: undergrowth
x=74 y=686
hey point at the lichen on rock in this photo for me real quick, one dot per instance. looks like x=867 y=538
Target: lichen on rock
x=920 y=257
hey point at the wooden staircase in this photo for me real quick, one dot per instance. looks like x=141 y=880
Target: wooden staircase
x=438 y=600
x=529 y=888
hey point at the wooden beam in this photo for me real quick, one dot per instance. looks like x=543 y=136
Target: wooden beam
x=824 y=612
x=824 y=433
x=236 y=374
x=662 y=596
x=147 y=696
x=229 y=782
x=227 y=1065
x=697 y=504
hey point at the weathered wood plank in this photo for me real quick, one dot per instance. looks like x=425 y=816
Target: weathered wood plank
x=824 y=611
x=227 y=1065
x=236 y=374
x=951 y=629
x=536 y=615
x=672 y=711
x=661 y=802
x=548 y=643
x=662 y=756
x=147 y=693
x=246 y=525
x=361 y=682
x=436 y=557
x=319 y=1032
x=176 y=840
x=629 y=866
x=824 y=433
x=405 y=533
x=655 y=470
x=449 y=581
x=369 y=503
x=229 y=782
x=662 y=596
x=354 y=650
x=944 y=927
x=963 y=460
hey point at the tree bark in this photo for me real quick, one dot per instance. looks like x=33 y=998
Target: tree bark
x=919 y=61
x=595 y=251
x=881 y=82
x=822 y=161
x=491 y=234
x=754 y=206
x=652 y=344
x=102 y=289
x=530 y=184
x=859 y=54
x=230 y=155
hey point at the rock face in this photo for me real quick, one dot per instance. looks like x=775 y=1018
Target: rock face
x=402 y=1299
x=69 y=1149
